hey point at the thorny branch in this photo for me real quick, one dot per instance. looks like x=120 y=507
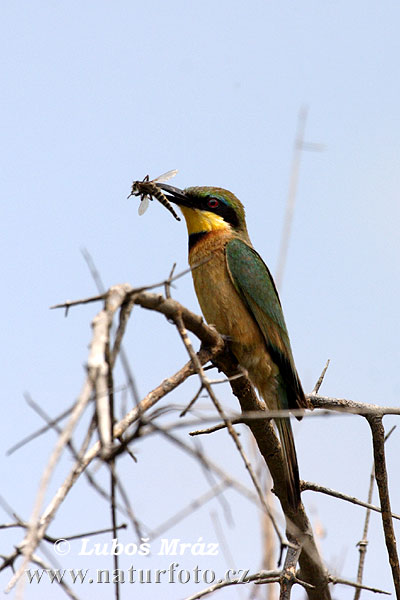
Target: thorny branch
x=312 y=574
x=307 y=485
x=381 y=477
x=363 y=543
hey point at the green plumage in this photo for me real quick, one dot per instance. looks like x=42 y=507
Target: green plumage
x=252 y=279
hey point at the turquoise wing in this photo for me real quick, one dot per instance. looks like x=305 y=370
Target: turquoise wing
x=254 y=283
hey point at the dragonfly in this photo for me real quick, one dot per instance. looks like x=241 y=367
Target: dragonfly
x=147 y=189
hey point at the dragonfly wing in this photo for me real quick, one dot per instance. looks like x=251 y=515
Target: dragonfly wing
x=144 y=204
x=165 y=176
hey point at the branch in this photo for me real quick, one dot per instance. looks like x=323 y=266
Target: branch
x=358 y=586
x=267 y=576
x=262 y=577
x=349 y=406
x=314 y=487
x=189 y=509
x=320 y=378
x=288 y=575
x=363 y=543
x=378 y=439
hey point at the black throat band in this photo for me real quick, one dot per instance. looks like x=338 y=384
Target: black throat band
x=196 y=237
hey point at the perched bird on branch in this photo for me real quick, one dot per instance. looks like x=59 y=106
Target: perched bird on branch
x=238 y=296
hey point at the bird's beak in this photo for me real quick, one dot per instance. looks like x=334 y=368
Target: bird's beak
x=175 y=195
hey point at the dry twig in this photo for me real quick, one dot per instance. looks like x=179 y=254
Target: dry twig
x=363 y=543
x=378 y=441
x=314 y=487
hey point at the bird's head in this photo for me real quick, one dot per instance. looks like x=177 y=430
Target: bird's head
x=208 y=209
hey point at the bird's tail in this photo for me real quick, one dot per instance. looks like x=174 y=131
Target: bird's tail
x=290 y=461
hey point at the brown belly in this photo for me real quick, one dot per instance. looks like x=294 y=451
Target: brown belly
x=223 y=307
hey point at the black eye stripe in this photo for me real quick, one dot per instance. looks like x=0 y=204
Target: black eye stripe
x=224 y=210
x=222 y=207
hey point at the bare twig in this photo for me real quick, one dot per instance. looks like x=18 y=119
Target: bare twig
x=336 y=580
x=217 y=427
x=107 y=440
x=288 y=575
x=77 y=536
x=265 y=576
x=41 y=431
x=167 y=284
x=113 y=481
x=246 y=417
x=189 y=509
x=192 y=402
x=209 y=464
x=129 y=510
x=299 y=146
x=349 y=406
x=222 y=541
x=124 y=359
x=74 y=452
x=321 y=378
x=130 y=290
x=363 y=543
x=100 y=363
x=262 y=577
x=9 y=560
x=378 y=441
x=268 y=541
x=38 y=561
x=125 y=313
x=314 y=487
x=53 y=425
x=211 y=479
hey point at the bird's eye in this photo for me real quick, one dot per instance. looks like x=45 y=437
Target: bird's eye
x=213 y=203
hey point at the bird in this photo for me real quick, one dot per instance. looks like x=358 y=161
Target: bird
x=238 y=296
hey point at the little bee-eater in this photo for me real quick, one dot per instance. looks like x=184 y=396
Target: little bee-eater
x=238 y=296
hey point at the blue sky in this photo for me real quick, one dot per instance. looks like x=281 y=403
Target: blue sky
x=96 y=94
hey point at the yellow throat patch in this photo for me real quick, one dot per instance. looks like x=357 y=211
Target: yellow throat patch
x=198 y=221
